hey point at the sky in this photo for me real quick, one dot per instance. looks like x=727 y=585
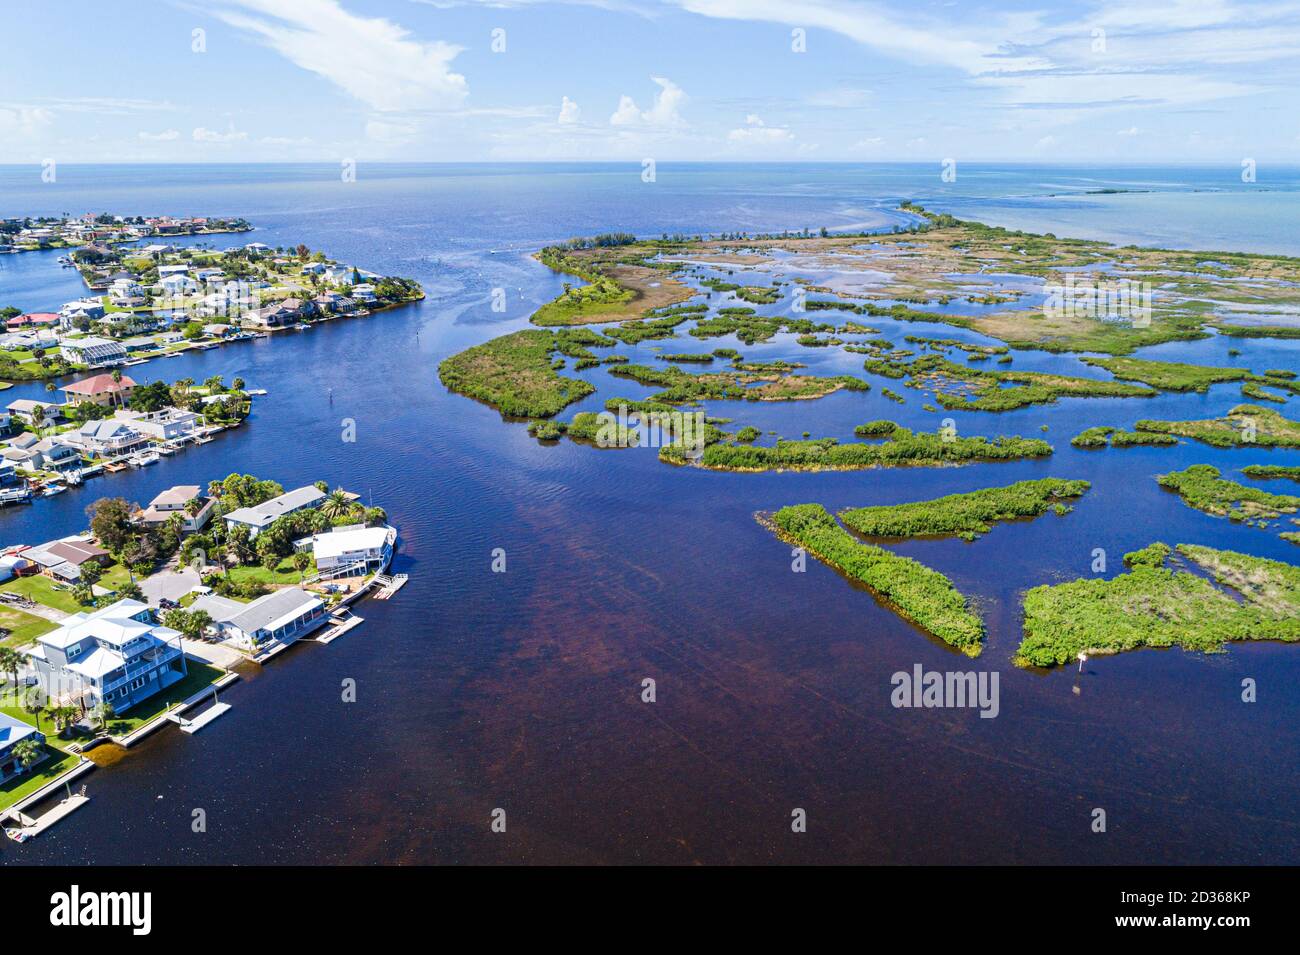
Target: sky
x=671 y=80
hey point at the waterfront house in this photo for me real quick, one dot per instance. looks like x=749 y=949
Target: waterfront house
x=350 y=550
x=281 y=314
x=101 y=390
x=314 y=268
x=117 y=655
x=165 y=424
x=9 y=476
x=12 y=732
x=327 y=302
x=107 y=438
x=93 y=352
x=340 y=275
x=365 y=294
x=261 y=515
x=24 y=409
x=53 y=454
x=281 y=616
x=175 y=500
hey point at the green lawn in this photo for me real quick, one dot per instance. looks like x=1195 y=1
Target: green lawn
x=20 y=787
x=23 y=627
x=115 y=577
x=42 y=589
x=199 y=676
x=284 y=573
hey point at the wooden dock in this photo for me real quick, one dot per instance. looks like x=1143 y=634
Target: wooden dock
x=29 y=827
x=389 y=585
x=200 y=721
x=345 y=622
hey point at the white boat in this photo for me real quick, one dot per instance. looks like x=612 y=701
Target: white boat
x=53 y=489
x=145 y=458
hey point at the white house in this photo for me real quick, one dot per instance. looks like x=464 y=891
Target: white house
x=261 y=515
x=178 y=285
x=351 y=550
x=166 y=424
x=106 y=437
x=126 y=293
x=175 y=500
x=281 y=616
x=25 y=410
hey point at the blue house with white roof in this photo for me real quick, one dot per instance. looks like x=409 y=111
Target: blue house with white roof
x=117 y=655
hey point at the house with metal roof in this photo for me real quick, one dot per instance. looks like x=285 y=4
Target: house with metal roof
x=261 y=515
x=118 y=655
x=281 y=616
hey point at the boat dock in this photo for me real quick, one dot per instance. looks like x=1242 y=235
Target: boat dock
x=200 y=721
x=387 y=586
x=30 y=827
x=345 y=620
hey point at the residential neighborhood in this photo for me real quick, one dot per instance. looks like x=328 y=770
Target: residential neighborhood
x=108 y=422
x=152 y=300
x=110 y=634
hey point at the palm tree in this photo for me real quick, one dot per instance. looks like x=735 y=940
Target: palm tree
x=64 y=716
x=336 y=504
x=301 y=561
x=11 y=661
x=35 y=705
x=104 y=712
x=27 y=752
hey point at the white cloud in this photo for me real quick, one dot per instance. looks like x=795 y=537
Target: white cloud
x=569 y=113
x=756 y=132
x=166 y=136
x=1156 y=54
x=204 y=135
x=23 y=120
x=372 y=59
x=665 y=111
x=1131 y=131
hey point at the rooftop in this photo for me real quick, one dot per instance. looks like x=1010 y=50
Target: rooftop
x=99 y=384
x=176 y=496
x=12 y=730
x=263 y=514
x=274 y=610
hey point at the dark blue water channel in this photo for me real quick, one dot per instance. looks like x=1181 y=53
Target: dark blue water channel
x=521 y=690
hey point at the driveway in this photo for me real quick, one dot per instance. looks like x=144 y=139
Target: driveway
x=169 y=585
